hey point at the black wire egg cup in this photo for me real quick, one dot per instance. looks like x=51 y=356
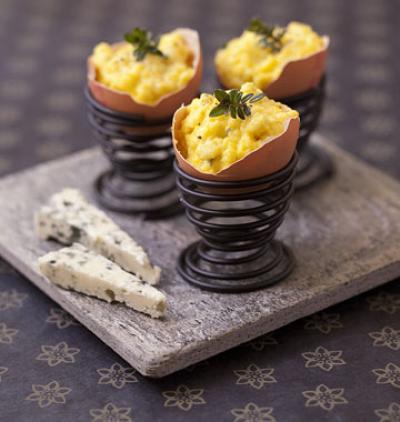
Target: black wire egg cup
x=141 y=179
x=237 y=222
x=314 y=163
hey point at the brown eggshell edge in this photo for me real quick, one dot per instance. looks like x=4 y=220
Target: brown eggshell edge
x=272 y=156
x=165 y=107
x=297 y=76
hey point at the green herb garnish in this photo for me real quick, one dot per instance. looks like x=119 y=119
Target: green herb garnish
x=233 y=102
x=271 y=36
x=143 y=42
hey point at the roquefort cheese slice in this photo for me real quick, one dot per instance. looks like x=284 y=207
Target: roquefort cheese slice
x=80 y=269
x=69 y=218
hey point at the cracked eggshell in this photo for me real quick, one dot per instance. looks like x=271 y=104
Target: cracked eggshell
x=297 y=76
x=273 y=155
x=166 y=106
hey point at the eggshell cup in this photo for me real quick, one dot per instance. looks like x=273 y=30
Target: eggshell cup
x=166 y=106
x=297 y=76
x=274 y=154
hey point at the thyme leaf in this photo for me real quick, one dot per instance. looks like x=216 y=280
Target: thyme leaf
x=271 y=36
x=234 y=103
x=143 y=42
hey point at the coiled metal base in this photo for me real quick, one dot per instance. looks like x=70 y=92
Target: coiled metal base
x=141 y=180
x=237 y=222
x=309 y=105
x=314 y=164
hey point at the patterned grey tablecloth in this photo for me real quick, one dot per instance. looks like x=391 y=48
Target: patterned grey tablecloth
x=340 y=365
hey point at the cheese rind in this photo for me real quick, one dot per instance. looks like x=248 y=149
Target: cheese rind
x=77 y=268
x=69 y=218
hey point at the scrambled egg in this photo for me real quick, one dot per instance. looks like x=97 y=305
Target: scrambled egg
x=148 y=80
x=211 y=144
x=244 y=59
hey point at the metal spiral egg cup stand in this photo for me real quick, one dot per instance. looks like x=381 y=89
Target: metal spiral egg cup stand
x=314 y=163
x=141 y=179
x=237 y=222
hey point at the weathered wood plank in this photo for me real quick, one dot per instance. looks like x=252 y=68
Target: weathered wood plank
x=345 y=234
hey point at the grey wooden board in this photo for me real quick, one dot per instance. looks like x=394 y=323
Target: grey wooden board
x=345 y=234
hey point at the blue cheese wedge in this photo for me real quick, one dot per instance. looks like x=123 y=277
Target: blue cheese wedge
x=69 y=218
x=80 y=269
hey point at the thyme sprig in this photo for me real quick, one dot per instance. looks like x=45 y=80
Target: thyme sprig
x=271 y=36
x=143 y=42
x=234 y=102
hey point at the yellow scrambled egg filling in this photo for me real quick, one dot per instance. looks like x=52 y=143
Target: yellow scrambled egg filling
x=211 y=144
x=244 y=59
x=150 y=79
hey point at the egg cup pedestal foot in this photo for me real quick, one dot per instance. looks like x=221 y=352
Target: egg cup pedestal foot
x=237 y=222
x=141 y=179
x=314 y=164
